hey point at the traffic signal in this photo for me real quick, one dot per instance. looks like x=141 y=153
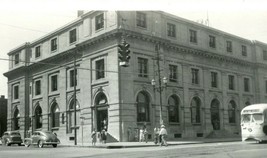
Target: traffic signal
x=123 y=53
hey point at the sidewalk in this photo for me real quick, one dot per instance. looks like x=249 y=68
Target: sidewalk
x=151 y=144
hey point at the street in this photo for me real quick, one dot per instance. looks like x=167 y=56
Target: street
x=207 y=150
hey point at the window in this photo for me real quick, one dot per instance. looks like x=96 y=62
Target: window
x=16 y=117
x=171 y=30
x=38 y=87
x=55 y=115
x=195 y=110
x=264 y=55
x=99 y=22
x=244 y=50
x=141 y=19
x=73 y=36
x=100 y=69
x=173 y=109
x=16 y=58
x=214 y=79
x=142 y=107
x=212 y=42
x=265 y=86
x=193 y=36
x=38 y=117
x=231 y=82
x=54 y=44
x=142 y=67
x=54 y=83
x=246 y=84
x=37 y=51
x=195 y=77
x=73 y=78
x=229 y=46
x=173 y=73
x=16 y=92
x=232 y=112
x=71 y=115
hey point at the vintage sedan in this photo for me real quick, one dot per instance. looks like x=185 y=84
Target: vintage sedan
x=42 y=138
x=11 y=137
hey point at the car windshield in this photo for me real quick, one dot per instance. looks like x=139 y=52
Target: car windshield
x=15 y=134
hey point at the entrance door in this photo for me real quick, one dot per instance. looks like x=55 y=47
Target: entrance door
x=102 y=116
x=215 y=114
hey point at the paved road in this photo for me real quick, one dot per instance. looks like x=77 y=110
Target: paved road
x=209 y=150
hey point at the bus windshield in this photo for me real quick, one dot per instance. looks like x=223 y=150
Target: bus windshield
x=257 y=118
x=246 y=118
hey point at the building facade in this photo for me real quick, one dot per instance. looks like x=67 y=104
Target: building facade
x=3 y=114
x=211 y=75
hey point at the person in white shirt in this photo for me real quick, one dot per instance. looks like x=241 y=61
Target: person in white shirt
x=163 y=135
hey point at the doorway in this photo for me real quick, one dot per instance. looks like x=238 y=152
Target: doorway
x=215 y=114
x=102 y=118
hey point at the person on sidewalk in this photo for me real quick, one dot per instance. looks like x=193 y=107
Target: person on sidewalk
x=141 y=135
x=103 y=136
x=156 y=135
x=93 y=136
x=145 y=134
x=163 y=135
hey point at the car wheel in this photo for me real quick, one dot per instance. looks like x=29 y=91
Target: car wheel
x=40 y=144
x=27 y=143
x=54 y=145
x=7 y=143
x=19 y=144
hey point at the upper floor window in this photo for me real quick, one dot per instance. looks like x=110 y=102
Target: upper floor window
x=142 y=67
x=264 y=55
x=244 y=50
x=193 y=36
x=231 y=82
x=73 y=78
x=37 y=51
x=16 y=92
x=73 y=36
x=141 y=19
x=195 y=76
x=212 y=42
x=16 y=58
x=214 y=79
x=99 y=21
x=54 y=83
x=54 y=44
x=100 y=69
x=246 y=84
x=38 y=87
x=171 y=31
x=173 y=73
x=229 y=46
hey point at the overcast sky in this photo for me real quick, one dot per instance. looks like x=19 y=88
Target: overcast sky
x=25 y=21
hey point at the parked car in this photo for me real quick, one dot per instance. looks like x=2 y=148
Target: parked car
x=42 y=138
x=11 y=137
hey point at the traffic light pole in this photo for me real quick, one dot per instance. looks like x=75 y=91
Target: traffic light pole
x=74 y=97
x=160 y=87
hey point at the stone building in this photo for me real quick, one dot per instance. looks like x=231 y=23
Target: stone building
x=211 y=75
x=3 y=114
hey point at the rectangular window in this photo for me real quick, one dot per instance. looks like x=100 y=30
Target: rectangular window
x=16 y=58
x=54 y=83
x=142 y=67
x=99 y=22
x=264 y=55
x=100 y=69
x=38 y=87
x=214 y=79
x=229 y=46
x=173 y=73
x=171 y=31
x=195 y=76
x=231 y=82
x=266 y=86
x=244 y=50
x=141 y=19
x=54 y=44
x=193 y=36
x=246 y=84
x=16 y=92
x=73 y=78
x=37 y=51
x=212 y=42
x=73 y=36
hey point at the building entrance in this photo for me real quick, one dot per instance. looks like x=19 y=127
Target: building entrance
x=102 y=119
x=215 y=114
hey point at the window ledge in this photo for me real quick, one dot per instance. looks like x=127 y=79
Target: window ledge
x=55 y=128
x=174 y=123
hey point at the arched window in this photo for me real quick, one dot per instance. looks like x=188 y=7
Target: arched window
x=232 y=112
x=55 y=115
x=142 y=107
x=195 y=110
x=72 y=114
x=173 y=109
x=16 y=118
x=38 y=117
x=101 y=104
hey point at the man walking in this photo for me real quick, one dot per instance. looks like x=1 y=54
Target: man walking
x=163 y=135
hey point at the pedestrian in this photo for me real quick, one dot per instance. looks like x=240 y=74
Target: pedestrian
x=93 y=136
x=103 y=136
x=156 y=135
x=141 y=135
x=163 y=135
x=145 y=134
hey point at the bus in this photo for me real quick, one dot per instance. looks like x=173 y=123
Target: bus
x=254 y=123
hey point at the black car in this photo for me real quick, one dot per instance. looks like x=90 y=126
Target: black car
x=11 y=137
x=42 y=138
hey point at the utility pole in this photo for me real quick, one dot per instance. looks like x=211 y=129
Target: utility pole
x=74 y=97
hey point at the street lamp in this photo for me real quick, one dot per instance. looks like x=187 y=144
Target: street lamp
x=160 y=88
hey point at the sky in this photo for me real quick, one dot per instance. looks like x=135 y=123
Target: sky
x=26 y=20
